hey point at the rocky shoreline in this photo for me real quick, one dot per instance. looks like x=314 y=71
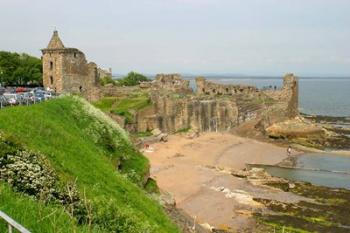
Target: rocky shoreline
x=325 y=211
x=259 y=201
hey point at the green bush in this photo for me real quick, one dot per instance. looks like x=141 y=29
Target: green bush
x=151 y=186
x=38 y=216
x=132 y=79
x=32 y=174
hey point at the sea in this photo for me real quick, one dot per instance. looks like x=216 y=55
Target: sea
x=317 y=96
x=318 y=168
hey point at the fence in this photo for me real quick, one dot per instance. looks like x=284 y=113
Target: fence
x=12 y=224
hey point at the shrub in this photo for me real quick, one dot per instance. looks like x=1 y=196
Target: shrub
x=132 y=79
x=31 y=174
x=151 y=186
x=120 y=220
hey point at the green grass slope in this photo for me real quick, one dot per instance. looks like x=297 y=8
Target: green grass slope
x=84 y=146
x=125 y=106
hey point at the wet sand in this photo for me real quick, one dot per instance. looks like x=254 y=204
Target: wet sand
x=195 y=172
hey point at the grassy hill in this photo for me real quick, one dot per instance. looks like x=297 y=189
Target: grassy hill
x=87 y=150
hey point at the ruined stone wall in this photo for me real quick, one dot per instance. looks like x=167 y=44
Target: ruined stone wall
x=217 y=107
x=69 y=71
x=287 y=98
x=117 y=91
x=291 y=88
x=172 y=114
x=205 y=87
x=168 y=82
x=78 y=75
x=104 y=73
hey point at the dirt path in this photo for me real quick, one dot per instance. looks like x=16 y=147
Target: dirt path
x=187 y=168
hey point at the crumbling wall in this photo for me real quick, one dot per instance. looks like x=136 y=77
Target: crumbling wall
x=205 y=87
x=286 y=98
x=173 y=114
x=102 y=73
x=168 y=82
x=118 y=91
x=215 y=107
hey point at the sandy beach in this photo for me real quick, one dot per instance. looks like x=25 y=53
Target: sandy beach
x=195 y=172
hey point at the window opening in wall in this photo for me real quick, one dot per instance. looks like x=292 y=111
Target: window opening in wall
x=96 y=75
x=51 y=65
x=75 y=54
x=51 y=80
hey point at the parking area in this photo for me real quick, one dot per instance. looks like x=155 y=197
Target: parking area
x=13 y=96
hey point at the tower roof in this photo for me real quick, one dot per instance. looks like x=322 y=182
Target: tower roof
x=55 y=42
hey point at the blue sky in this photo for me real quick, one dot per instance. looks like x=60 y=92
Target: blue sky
x=251 y=37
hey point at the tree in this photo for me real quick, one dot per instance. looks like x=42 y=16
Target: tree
x=132 y=79
x=20 y=69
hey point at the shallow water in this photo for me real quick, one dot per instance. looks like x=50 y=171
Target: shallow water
x=322 y=178
x=319 y=169
x=337 y=163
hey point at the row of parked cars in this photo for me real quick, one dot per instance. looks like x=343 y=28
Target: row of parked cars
x=23 y=96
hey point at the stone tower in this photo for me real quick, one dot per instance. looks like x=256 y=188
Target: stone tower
x=291 y=94
x=66 y=70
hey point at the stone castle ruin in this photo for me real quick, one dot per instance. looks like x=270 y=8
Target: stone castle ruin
x=214 y=107
x=66 y=70
x=174 y=105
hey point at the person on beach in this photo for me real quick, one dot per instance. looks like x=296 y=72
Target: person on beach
x=289 y=151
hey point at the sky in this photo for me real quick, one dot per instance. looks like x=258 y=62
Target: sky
x=242 y=37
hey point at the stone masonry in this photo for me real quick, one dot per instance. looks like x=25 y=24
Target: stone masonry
x=213 y=89
x=215 y=107
x=66 y=70
x=168 y=82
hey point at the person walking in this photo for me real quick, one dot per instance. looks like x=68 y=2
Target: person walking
x=289 y=151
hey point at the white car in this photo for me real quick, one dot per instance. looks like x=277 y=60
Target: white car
x=11 y=98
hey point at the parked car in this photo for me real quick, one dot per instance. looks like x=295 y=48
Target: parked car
x=24 y=98
x=2 y=90
x=3 y=101
x=20 y=89
x=11 y=98
x=39 y=95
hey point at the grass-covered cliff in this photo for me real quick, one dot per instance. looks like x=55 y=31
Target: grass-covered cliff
x=67 y=167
